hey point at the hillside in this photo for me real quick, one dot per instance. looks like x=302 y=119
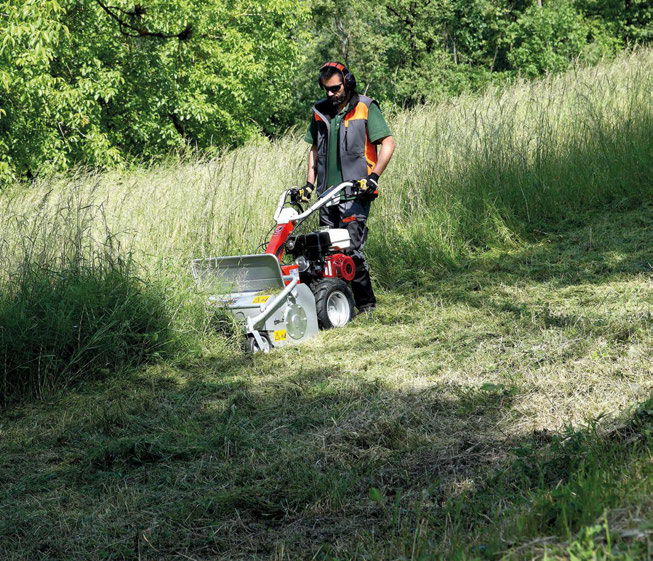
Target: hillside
x=497 y=405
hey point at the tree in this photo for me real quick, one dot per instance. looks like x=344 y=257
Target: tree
x=82 y=81
x=627 y=20
x=408 y=51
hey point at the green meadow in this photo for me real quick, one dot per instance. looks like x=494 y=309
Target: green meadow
x=497 y=405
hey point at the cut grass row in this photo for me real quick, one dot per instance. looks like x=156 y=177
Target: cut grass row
x=502 y=410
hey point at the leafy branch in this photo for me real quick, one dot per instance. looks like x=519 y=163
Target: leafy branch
x=135 y=14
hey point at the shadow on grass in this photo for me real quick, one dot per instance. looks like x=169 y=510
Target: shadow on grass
x=237 y=469
x=553 y=484
x=594 y=248
x=283 y=457
x=503 y=192
x=215 y=463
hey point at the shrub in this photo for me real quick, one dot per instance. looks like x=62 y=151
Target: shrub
x=546 y=39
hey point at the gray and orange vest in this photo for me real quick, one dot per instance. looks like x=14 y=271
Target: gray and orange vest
x=357 y=154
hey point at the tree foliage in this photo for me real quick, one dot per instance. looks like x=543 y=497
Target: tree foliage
x=100 y=83
x=409 y=51
x=84 y=82
x=546 y=39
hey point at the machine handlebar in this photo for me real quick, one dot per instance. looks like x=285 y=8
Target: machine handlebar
x=323 y=200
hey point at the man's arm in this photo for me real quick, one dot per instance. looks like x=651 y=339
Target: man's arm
x=387 y=149
x=312 y=161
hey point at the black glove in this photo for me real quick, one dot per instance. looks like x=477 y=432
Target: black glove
x=368 y=187
x=302 y=195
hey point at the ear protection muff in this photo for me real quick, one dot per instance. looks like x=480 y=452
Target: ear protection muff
x=348 y=77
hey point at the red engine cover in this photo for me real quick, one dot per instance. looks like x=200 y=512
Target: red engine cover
x=340 y=266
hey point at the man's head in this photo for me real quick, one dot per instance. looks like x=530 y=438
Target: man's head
x=337 y=81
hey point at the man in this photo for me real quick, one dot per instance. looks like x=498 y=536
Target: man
x=344 y=133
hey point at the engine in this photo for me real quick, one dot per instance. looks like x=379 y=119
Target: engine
x=320 y=254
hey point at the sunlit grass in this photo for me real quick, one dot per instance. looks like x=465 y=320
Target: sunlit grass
x=474 y=172
x=497 y=411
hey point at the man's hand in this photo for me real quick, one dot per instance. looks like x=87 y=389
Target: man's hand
x=368 y=187
x=302 y=195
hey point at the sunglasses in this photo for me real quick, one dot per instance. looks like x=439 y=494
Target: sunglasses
x=333 y=89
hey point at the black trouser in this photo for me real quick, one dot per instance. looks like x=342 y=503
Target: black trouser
x=352 y=215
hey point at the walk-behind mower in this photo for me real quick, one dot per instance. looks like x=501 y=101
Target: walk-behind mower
x=283 y=304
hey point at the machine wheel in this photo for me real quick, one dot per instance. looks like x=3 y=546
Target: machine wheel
x=334 y=303
x=251 y=345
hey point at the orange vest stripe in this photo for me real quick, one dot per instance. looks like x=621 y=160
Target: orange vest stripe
x=370 y=155
x=359 y=112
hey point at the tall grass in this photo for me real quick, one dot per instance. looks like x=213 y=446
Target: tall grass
x=475 y=171
x=71 y=302
x=483 y=170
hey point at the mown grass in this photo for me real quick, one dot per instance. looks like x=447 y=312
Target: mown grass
x=503 y=411
x=496 y=405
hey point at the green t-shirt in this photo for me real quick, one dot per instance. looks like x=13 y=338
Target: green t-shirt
x=377 y=129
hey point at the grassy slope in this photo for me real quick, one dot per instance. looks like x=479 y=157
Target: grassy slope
x=513 y=242
x=94 y=268
x=439 y=426
x=469 y=172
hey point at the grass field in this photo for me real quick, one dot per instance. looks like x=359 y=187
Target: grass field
x=94 y=267
x=494 y=412
x=498 y=404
